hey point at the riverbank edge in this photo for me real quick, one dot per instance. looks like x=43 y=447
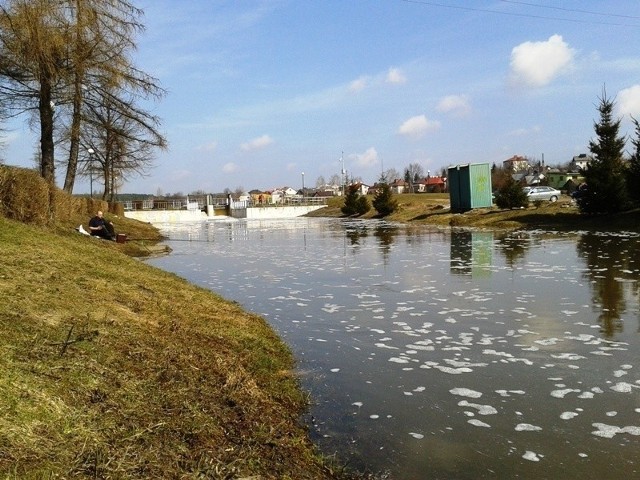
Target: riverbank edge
x=433 y=209
x=112 y=368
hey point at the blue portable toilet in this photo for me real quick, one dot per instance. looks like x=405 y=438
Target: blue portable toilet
x=470 y=186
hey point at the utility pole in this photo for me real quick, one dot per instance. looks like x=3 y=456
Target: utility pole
x=342 y=171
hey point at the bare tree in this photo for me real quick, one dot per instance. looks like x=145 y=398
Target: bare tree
x=33 y=50
x=103 y=38
x=52 y=53
x=121 y=136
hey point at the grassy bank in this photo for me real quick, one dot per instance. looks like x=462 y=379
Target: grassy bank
x=110 y=368
x=433 y=209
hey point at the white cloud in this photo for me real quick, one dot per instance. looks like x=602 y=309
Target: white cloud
x=536 y=64
x=417 y=126
x=230 y=167
x=257 y=143
x=358 y=84
x=455 y=104
x=628 y=101
x=396 y=76
x=366 y=159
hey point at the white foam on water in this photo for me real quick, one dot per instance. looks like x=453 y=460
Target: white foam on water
x=453 y=371
x=563 y=392
x=374 y=417
x=482 y=409
x=620 y=373
x=478 y=423
x=567 y=356
x=622 y=387
x=532 y=456
x=417 y=436
x=465 y=392
x=527 y=427
x=399 y=360
x=611 y=414
x=335 y=370
x=568 y=415
x=357 y=404
x=610 y=431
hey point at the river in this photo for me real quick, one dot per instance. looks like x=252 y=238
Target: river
x=435 y=353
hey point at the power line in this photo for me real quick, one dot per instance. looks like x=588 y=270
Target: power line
x=572 y=10
x=526 y=15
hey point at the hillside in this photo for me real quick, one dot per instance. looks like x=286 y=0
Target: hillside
x=110 y=368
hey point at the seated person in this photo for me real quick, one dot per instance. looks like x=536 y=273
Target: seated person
x=100 y=227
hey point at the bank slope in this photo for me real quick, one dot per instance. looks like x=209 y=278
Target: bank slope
x=110 y=368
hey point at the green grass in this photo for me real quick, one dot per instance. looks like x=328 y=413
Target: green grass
x=110 y=368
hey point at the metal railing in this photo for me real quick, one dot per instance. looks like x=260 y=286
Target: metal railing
x=200 y=203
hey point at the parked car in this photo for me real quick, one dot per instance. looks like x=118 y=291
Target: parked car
x=542 y=193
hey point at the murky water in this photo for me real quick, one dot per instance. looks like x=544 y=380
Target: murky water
x=432 y=353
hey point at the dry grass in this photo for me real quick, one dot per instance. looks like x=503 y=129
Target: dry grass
x=110 y=368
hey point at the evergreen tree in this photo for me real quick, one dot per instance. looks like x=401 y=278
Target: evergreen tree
x=605 y=175
x=633 y=170
x=354 y=203
x=383 y=202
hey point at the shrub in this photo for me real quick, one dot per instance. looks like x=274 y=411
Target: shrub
x=511 y=195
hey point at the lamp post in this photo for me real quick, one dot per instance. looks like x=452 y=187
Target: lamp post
x=90 y=152
x=303 y=186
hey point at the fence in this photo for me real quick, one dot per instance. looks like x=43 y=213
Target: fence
x=200 y=203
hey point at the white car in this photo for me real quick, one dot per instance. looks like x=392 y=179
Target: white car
x=542 y=193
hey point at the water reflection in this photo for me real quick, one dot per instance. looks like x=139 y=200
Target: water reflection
x=471 y=252
x=612 y=269
x=385 y=234
x=437 y=353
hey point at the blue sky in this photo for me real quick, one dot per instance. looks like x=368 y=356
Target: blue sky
x=261 y=91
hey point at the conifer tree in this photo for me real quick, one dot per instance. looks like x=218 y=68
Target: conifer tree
x=354 y=203
x=605 y=175
x=383 y=202
x=633 y=170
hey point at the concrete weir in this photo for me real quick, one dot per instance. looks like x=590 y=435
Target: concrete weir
x=250 y=213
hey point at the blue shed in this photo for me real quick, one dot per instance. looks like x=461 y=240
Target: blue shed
x=470 y=186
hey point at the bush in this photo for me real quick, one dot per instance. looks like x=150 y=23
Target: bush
x=511 y=195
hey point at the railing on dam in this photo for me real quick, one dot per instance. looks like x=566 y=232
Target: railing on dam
x=201 y=203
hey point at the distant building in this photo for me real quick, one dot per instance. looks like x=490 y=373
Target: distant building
x=399 y=186
x=516 y=164
x=580 y=162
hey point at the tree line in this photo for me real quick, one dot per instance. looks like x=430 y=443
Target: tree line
x=66 y=65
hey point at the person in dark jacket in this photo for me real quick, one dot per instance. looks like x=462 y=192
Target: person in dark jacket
x=100 y=227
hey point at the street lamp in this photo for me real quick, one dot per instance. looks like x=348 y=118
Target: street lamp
x=303 y=186
x=90 y=152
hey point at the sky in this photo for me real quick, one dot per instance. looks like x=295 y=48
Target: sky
x=271 y=93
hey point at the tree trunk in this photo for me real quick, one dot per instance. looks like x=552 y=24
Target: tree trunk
x=74 y=138
x=45 y=107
